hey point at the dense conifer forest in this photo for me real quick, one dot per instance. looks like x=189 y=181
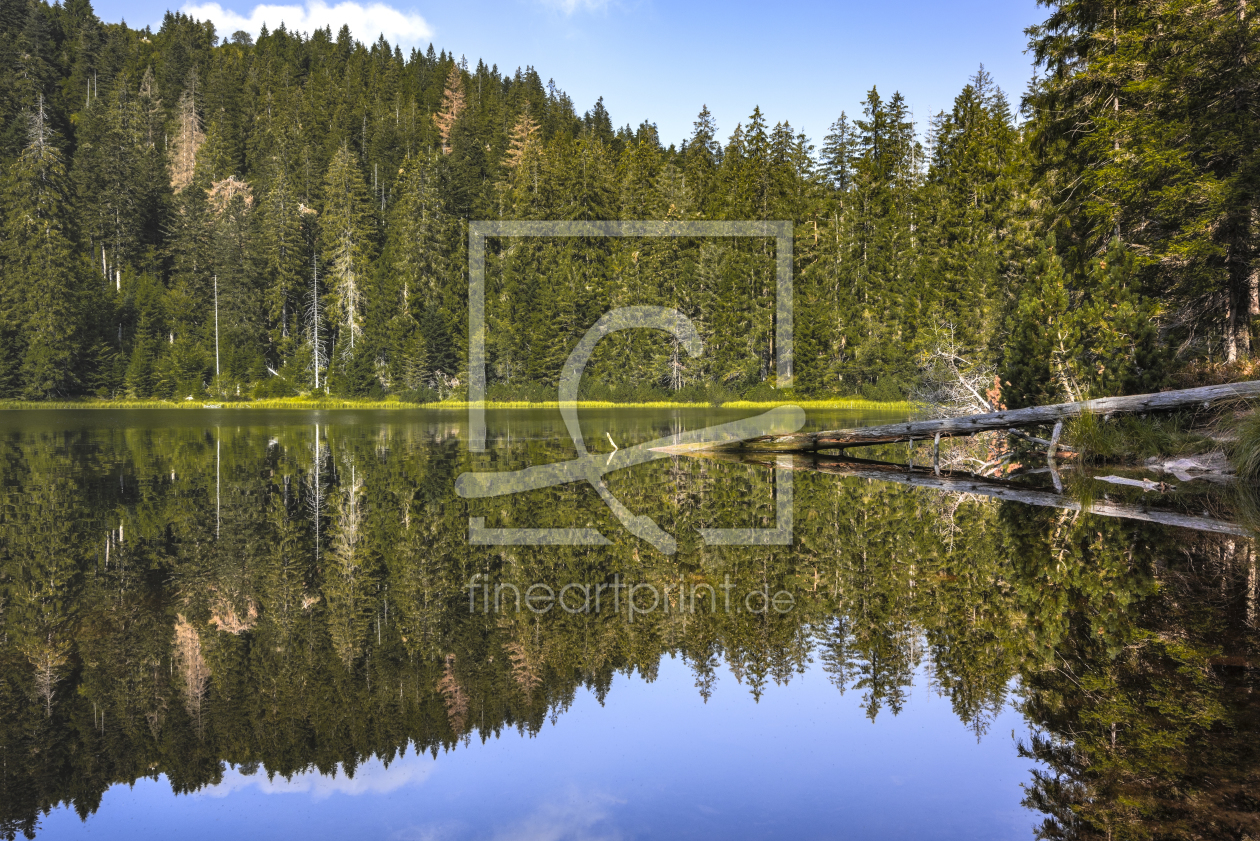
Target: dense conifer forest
x=186 y=214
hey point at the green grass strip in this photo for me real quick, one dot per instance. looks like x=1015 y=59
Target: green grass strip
x=847 y=404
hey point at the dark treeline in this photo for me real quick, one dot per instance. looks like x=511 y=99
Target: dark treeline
x=186 y=215
x=297 y=598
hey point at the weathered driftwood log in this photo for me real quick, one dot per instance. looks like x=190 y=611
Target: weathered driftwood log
x=980 y=486
x=804 y=442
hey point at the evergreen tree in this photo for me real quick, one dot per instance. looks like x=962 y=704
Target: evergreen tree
x=346 y=234
x=43 y=277
x=838 y=152
x=1034 y=370
x=1141 y=134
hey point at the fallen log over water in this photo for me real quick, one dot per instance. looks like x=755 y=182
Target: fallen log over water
x=980 y=486
x=893 y=433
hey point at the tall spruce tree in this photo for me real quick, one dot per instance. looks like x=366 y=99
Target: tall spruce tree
x=346 y=246
x=43 y=273
x=1143 y=132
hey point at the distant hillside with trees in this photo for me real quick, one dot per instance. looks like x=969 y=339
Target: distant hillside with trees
x=184 y=214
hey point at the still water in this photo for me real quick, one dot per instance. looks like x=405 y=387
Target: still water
x=271 y=624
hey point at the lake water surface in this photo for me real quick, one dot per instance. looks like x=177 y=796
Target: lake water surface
x=256 y=623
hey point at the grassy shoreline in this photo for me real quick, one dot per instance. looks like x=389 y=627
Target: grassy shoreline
x=845 y=404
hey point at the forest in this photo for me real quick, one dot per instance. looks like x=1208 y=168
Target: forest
x=190 y=215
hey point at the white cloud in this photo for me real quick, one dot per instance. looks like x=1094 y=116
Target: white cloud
x=571 y=6
x=366 y=21
x=577 y=816
x=372 y=777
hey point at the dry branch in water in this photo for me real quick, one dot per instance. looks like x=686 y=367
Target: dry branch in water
x=927 y=430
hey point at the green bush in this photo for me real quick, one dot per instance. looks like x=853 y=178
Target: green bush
x=886 y=389
x=274 y=387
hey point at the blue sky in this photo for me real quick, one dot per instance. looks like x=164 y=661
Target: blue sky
x=653 y=760
x=802 y=62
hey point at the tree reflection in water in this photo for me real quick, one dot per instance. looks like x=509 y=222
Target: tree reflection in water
x=297 y=597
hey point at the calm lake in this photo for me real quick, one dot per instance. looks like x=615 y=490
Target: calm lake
x=220 y=624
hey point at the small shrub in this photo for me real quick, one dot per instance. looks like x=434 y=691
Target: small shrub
x=274 y=387
x=884 y=390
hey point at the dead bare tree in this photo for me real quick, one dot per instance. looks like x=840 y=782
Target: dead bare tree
x=953 y=380
x=956 y=381
x=192 y=667
x=452 y=107
x=188 y=139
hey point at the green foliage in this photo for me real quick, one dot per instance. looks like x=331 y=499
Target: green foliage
x=1245 y=452
x=1117 y=349
x=346 y=234
x=1097 y=339
x=331 y=211
x=43 y=277
x=1040 y=326
x=885 y=389
x=1139 y=133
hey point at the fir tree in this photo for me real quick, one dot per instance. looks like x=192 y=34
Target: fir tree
x=42 y=273
x=346 y=243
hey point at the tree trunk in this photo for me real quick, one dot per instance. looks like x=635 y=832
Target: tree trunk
x=992 y=488
x=971 y=424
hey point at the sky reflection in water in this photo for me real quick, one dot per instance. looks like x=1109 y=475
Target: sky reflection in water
x=184 y=592
x=654 y=762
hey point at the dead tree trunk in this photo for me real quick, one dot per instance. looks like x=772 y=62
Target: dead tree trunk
x=893 y=433
x=993 y=488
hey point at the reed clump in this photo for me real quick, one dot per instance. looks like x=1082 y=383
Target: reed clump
x=1245 y=451
x=1131 y=437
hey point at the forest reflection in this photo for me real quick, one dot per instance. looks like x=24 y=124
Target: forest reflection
x=296 y=597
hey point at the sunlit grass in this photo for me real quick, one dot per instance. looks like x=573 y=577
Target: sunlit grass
x=841 y=404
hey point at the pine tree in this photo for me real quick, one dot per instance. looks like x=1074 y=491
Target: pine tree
x=1118 y=351
x=701 y=159
x=975 y=185
x=241 y=314
x=42 y=273
x=283 y=249
x=1100 y=339
x=1143 y=133
x=1035 y=367
x=419 y=267
x=108 y=180
x=346 y=244
x=838 y=152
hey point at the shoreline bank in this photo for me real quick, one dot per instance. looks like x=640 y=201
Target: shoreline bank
x=845 y=404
